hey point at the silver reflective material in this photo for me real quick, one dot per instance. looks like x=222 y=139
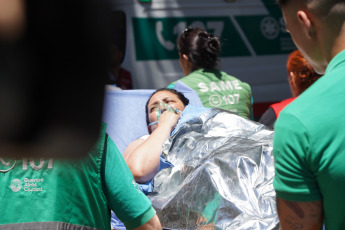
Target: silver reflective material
x=222 y=175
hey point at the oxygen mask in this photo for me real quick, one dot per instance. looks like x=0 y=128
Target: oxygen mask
x=160 y=108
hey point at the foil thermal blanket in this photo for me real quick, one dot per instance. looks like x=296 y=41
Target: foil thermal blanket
x=222 y=176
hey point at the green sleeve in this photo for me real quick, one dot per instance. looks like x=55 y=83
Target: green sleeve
x=294 y=178
x=130 y=205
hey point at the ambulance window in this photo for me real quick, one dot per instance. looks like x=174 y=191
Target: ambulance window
x=118 y=33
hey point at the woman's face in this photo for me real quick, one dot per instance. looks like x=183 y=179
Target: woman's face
x=165 y=97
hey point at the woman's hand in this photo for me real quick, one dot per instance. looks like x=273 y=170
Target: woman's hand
x=168 y=120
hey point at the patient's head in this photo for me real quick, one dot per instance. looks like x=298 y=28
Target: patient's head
x=171 y=97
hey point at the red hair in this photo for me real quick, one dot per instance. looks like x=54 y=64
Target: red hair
x=304 y=73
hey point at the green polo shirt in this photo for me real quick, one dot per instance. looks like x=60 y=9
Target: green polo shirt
x=309 y=145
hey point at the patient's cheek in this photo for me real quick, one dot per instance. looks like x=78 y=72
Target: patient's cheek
x=152 y=118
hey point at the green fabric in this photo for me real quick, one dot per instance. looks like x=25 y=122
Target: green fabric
x=217 y=89
x=130 y=205
x=309 y=145
x=140 y=220
x=211 y=210
x=70 y=191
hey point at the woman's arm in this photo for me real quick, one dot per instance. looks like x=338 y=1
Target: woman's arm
x=143 y=156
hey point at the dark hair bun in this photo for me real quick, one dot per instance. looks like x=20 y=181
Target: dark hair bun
x=201 y=48
x=214 y=45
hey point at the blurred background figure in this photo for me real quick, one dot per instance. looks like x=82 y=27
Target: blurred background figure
x=118 y=76
x=301 y=75
x=53 y=67
x=198 y=51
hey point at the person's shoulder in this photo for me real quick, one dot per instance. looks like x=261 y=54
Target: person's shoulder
x=243 y=84
x=195 y=73
x=337 y=63
x=268 y=118
x=231 y=77
x=303 y=110
x=322 y=102
x=205 y=75
x=297 y=107
x=192 y=77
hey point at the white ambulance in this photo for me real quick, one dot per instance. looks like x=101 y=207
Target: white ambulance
x=255 y=43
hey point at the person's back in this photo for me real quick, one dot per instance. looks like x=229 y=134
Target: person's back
x=309 y=139
x=74 y=193
x=51 y=193
x=198 y=52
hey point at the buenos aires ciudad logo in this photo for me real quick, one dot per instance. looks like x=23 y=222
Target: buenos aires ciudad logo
x=16 y=185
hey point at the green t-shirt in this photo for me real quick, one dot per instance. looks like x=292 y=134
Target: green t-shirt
x=71 y=194
x=217 y=89
x=309 y=145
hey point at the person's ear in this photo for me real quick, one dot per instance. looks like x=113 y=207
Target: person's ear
x=185 y=57
x=306 y=22
x=293 y=85
x=291 y=79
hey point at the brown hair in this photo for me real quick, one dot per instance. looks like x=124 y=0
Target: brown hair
x=304 y=73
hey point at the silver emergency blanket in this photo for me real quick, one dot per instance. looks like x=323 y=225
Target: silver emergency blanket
x=222 y=175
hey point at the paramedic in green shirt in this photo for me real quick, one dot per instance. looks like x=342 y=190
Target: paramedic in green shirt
x=198 y=51
x=309 y=140
x=73 y=194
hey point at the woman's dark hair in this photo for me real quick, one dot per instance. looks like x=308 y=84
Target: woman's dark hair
x=200 y=47
x=180 y=96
